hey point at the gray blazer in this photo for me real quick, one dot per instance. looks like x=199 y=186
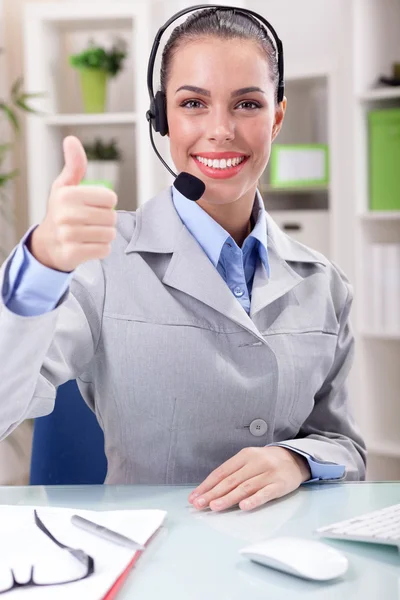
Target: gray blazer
x=179 y=375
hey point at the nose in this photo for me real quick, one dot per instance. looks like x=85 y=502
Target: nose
x=220 y=128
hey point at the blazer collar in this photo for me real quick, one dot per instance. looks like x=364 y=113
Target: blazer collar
x=159 y=229
x=158 y=226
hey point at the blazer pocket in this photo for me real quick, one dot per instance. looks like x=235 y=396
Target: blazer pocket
x=304 y=360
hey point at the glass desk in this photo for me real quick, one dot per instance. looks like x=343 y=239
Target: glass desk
x=195 y=554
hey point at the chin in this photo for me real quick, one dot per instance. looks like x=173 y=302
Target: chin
x=223 y=192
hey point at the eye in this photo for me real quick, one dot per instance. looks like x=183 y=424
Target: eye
x=191 y=104
x=249 y=105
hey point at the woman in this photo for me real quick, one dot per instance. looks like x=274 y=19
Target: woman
x=213 y=348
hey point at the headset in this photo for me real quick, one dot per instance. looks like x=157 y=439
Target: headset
x=157 y=113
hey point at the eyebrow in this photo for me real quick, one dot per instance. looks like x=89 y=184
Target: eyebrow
x=203 y=92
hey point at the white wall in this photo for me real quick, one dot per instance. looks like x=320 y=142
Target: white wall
x=309 y=30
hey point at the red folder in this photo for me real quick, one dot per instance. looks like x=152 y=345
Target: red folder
x=112 y=593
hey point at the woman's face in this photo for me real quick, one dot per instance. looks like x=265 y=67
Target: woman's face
x=221 y=108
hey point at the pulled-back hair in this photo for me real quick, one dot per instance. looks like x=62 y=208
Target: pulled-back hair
x=223 y=24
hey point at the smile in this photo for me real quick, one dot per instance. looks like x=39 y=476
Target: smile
x=220 y=168
x=221 y=164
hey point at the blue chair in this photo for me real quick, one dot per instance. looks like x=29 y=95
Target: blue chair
x=68 y=444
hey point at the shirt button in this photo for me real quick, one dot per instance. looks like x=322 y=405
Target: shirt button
x=258 y=427
x=238 y=291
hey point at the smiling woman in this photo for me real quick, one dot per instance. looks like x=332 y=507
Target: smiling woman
x=214 y=349
x=220 y=77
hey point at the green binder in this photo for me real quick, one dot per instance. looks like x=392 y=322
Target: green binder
x=384 y=159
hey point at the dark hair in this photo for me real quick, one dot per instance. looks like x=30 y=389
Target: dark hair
x=224 y=24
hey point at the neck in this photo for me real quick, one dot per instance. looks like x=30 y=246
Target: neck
x=233 y=217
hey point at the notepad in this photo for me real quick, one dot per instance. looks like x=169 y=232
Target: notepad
x=22 y=544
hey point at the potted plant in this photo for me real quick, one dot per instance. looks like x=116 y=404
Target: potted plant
x=10 y=109
x=96 y=65
x=103 y=163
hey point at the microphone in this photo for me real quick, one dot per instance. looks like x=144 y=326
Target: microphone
x=188 y=185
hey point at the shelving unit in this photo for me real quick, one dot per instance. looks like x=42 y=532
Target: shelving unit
x=381 y=216
x=303 y=212
x=270 y=189
x=380 y=93
x=52 y=32
x=376 y=46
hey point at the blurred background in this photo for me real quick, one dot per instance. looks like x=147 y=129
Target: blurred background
x=333 y=182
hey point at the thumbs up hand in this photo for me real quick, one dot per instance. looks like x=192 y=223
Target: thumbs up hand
x=80 y=221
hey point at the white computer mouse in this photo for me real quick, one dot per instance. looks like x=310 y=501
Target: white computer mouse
x=309 y=559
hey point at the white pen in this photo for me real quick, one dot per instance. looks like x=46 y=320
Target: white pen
x=104 y=532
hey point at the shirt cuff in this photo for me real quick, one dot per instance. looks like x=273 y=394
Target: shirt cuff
x=33 y=289
x=320 y=470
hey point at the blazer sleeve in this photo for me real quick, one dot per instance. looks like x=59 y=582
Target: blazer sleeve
x=39 y=353
x=330 y=434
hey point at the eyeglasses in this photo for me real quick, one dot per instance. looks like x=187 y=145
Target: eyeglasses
x=9 y=582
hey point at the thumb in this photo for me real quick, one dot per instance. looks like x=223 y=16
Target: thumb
x=75 y=163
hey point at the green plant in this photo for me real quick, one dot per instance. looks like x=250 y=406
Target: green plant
x=18 y=102
x=100 y=150
x=96 y=57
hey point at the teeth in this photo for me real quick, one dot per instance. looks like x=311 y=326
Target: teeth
x=220 y=164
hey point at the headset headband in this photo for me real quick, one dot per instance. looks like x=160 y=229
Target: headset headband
x=243 y=11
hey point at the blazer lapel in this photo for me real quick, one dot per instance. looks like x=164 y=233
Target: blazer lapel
x=160 y=230
x=282 y=250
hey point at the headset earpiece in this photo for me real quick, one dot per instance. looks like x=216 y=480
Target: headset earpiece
x=161 y=113
x=157 y=114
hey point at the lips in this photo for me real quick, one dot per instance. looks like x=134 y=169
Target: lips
x=224 y=170
x=220 y=155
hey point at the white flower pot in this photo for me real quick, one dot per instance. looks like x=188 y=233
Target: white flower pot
x=103 y=170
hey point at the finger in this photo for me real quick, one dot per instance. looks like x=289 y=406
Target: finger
x=86 y=234
x=223 y=487
x=90 y=215
x=238 y=479
x=245 y=489
x=88 y=251
x=227 y=468
x=75 y=163
x=87 y=195
x=262 y=496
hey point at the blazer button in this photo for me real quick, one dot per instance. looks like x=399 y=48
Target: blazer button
x=258 y=427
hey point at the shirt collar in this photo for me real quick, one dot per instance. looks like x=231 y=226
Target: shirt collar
x=211 y=236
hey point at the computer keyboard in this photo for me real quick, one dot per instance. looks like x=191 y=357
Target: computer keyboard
x=377 y=527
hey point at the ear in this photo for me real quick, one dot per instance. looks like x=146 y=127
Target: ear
x=279 y=116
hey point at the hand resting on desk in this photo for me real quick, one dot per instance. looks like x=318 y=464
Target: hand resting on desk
x=251 y=478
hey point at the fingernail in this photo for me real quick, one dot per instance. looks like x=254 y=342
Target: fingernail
x=194 y=495
x=201 y=502
x=217 y=503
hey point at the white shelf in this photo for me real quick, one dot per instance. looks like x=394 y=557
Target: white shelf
x=45 y=24
x=387 y=215
x=119 y=118
x=383 y=448
x=384 y=93
x=266 y=188
x=380 y=335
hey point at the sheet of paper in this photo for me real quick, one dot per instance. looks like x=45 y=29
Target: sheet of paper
x=301 y=164
x=22 y=544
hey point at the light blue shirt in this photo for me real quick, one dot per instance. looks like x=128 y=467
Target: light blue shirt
x=235 y=265
x=33 y=289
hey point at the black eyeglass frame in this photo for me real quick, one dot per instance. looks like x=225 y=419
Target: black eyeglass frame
x=80 y=555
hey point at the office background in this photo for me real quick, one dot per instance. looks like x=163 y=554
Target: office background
x=335 y=51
